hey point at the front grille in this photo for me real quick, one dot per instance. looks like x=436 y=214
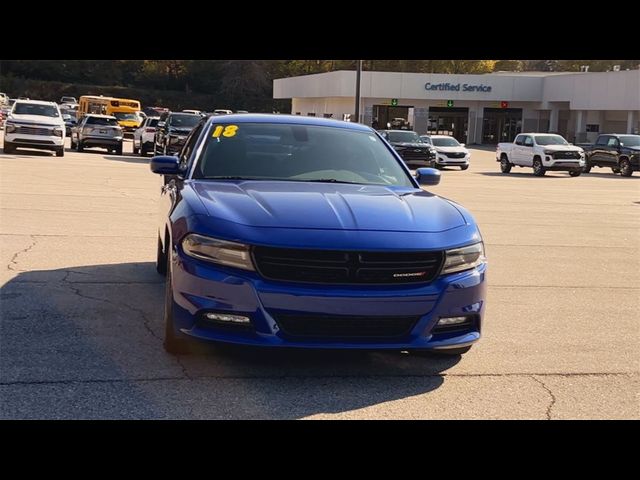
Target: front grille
x=34 y=130
x=344 y=326
x=410 y=154
x=455 y=154
x=566 y=155
x=34 y=141
x=339 y=267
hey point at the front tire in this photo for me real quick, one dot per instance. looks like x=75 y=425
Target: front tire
x=575 y=173
x=625 y=168
x=80 y=146
x=538 y=168
x=8 y=147
x=135 y=149
x=505 y=166
x=586 y=168
x=60 y=152
x=143 y=150
x=118 y=150
x=161 y=259
x=173 y=344
x=464 y=167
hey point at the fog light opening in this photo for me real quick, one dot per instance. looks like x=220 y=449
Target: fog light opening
x=453 y=320
x=227 y=318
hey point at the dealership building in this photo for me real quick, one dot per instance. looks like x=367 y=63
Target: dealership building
x=475 y=109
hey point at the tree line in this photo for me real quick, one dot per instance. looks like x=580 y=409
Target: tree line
x=247 y=84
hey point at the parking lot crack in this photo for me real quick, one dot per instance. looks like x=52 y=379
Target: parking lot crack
x=548 y=390
x=13 y=263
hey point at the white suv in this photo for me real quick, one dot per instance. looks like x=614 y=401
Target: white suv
x=450 y=153
x=34 y=124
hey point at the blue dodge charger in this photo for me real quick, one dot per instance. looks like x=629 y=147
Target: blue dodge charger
x=289 y=231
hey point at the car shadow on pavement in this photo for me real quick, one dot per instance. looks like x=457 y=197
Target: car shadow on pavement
x=128 y=158
x=524 y=174
x=86 y=342
x=31 y=153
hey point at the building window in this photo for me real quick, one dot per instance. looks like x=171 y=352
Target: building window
x=593 y=127
x=311 y=114
x=327 y=115
x=297 y=113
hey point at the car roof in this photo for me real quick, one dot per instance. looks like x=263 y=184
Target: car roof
x=287 y=119
x=96 y=115
x=36 y=102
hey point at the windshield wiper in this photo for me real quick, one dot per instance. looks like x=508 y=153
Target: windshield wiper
x=329 y=180
x=228 y=177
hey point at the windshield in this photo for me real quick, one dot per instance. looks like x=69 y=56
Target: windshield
x=153 y=122
x=425 y=139
x=126 y=116
x=550 y=140
x=68 y=100
x=630 y=140
x=184 y=121
x=445 y=142
x=35 y=109
x=303 y=153
x=404 y=137
x=102 y=121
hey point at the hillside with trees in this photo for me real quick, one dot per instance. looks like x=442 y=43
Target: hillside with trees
x=235 y=84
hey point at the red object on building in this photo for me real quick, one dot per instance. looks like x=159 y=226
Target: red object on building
x=504 y=104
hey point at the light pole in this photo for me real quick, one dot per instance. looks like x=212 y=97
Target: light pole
x=358 y=73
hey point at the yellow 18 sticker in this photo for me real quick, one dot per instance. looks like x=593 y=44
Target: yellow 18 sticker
x=228 y=131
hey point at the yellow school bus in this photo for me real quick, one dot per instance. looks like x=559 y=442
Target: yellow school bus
x=124 y=109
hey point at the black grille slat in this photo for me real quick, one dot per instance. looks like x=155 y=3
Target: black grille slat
x=455 y=154
x=566 y=155
x=339 y=267
x=345 y=326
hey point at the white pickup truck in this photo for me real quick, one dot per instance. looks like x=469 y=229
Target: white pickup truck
x=541 y=151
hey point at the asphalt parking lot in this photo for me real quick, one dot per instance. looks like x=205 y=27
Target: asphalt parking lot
x=81 y=308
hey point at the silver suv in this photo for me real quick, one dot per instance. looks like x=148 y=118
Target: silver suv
x=97 y=131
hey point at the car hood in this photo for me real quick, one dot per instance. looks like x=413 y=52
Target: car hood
x=326 y=206
x=410 y=144
x=37 y=119
x=451 y=149
x=561 y=148
x=637 y=149
x=181 y=131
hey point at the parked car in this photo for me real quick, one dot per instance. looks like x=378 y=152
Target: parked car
x=172 y=131
x=34 y=124
x=542 y=152
x=195 y=112
x=69 y=100
x=449 y=152
x=411 y=148
x=4 y=99
x=222 y=111
x=620 y=152
x=144 y=136
x=69 y=122
x=291 y=231
x=97 y=131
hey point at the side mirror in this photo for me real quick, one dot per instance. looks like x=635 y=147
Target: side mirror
x=428 y=176
x=165 y=165
x=161 y=124
x=462 y=144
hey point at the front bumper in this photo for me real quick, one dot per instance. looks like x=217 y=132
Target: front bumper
x=42 y=142
x=199 y=287
x=447 y=161
x=562 y=164
x=107 y=142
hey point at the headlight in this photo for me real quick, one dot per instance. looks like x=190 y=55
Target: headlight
x=57 y=132
x=464 y=258
x=9 y=127
x=548 y=152
x=217 y=251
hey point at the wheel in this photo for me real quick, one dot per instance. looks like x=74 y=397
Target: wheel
x=538 y=168
x=172 y=343
x=615 y=169
x=448 y=351
x=72 y=145
x=143 y=150
x=60 y=152
x=505 y=166
x=586 y=168
x=135 y=149
x=161 y=260
x=8 y=147
x=575 y=173
x=625 y=168
x=118 y=150
x=464 y=167
x=80 y=146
